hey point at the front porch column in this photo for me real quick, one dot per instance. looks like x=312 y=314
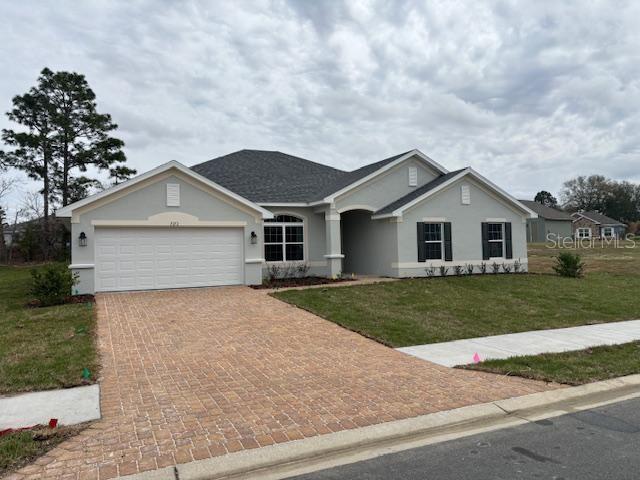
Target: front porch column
x=334 y=254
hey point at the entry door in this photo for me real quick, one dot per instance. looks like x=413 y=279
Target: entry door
x=156 y=258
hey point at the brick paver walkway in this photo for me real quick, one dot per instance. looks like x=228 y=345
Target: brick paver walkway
x=192 y=374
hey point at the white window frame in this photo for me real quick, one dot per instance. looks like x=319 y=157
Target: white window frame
x=284 y=243
x=610 y=229
x=502 y=239
x=441 y=242
x=582 y=229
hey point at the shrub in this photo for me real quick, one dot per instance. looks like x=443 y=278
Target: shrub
x=274 y=272
x=517 y=266
x=483 y=268
x=469 y=268
x=457 y=270
x=495 y=268
x=506 y=268
x=302 y=269
x=51 y=284
x=443 y=270
x=431 y=271
x=569 y=265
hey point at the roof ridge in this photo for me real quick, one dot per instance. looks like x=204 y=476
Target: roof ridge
x=256 y=150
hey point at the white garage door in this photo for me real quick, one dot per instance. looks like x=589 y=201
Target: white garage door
x=152 y=258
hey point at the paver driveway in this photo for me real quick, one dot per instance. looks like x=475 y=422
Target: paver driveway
x=191 y=374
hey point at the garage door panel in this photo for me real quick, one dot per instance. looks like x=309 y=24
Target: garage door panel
x=140 y=259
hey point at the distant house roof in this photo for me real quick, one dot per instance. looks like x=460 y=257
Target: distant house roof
x=598 y=218
x=547 y=212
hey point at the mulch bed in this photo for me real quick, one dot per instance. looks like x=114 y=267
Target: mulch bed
x=300 y=282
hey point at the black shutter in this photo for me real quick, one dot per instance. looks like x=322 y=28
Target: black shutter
x=422 y=247
x=448 y=250
x=485 y=241
x=508 y=247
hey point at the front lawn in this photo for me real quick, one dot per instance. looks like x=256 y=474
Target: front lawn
x=42 y=348
x=573 y=368
x=419 y=311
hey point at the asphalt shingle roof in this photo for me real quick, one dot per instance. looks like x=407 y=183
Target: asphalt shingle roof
x=268 y=176
x=427 y=187
x=546 y=212
x=601 y=219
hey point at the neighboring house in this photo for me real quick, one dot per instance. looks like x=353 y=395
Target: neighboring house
x=8 y=234
x=596 y=225
x=551 y=223
x=223 y=222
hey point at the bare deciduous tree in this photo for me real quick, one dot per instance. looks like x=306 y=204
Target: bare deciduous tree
x=6 y=186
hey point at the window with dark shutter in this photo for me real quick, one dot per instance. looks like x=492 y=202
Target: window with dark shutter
x=432 y=243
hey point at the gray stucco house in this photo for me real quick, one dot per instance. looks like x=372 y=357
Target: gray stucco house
x=597 y=225
x=224 y=221
x=550 y=225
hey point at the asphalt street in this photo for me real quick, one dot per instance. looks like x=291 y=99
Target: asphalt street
x=603 y=443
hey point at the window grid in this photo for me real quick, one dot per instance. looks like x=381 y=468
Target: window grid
x=584 y=233
x=433 y=241
x=284 y=239
x=495 y=236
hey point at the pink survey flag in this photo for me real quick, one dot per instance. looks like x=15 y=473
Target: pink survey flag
x=476 y=358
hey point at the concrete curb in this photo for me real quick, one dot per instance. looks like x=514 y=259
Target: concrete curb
x=278 y=461
x=70 y=406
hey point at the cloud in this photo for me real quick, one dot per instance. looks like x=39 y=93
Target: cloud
x=529 y=94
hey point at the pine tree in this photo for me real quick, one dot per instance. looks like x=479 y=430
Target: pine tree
x=121 y=173
x=82 y=134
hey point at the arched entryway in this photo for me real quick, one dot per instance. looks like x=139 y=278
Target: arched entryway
x=358 y=242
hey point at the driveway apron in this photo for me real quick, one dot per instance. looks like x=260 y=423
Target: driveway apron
x=197 y=373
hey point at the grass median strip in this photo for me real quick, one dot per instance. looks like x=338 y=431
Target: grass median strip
x=42 y=348
x=572 y=368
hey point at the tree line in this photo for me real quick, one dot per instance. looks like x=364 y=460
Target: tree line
x=616 y=199
x=61 y=138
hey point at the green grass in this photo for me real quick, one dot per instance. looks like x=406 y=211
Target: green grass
x=573 y=368
x=20 y=448
x=41 y=348
x=419 y=311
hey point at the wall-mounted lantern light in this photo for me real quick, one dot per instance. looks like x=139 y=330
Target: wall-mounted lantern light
x=254 y=238
x=82 y=239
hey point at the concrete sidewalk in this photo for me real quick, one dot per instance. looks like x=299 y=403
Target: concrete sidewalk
x=69 y=406
x=461 y=352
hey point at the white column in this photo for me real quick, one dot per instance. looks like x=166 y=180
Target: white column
x=334 y=254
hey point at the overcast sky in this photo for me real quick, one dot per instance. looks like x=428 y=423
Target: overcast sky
x=528 y=93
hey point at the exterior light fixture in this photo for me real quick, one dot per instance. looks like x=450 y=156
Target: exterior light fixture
x=82 y=239
x=254 y=238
